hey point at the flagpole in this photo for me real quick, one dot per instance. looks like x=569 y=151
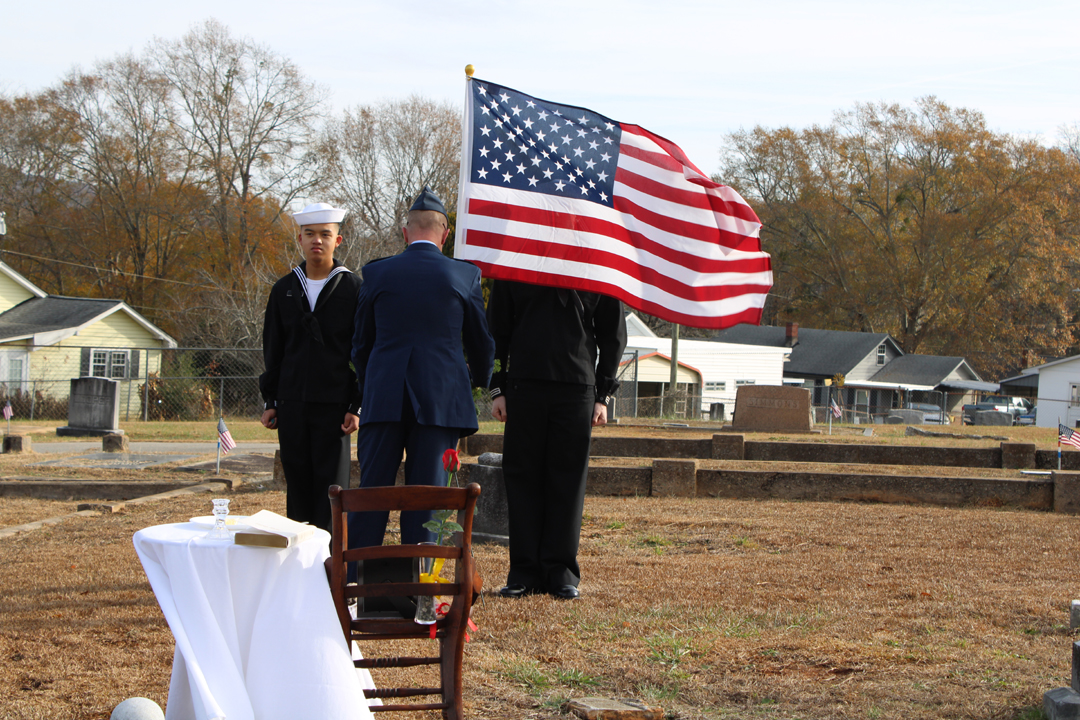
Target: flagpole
x=1059 y=443
x=217 y=471
x=461 y=222
x=674 y=367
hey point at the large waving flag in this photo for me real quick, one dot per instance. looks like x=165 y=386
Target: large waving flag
x=559 y=195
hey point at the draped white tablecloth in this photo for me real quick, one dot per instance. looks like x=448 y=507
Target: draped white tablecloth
x=257 y=636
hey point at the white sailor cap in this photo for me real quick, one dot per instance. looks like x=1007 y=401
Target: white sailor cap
x=318 y=214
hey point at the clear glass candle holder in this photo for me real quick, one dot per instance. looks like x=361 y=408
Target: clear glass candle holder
x=221 y=512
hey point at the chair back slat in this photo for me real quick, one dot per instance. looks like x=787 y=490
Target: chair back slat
x=402 y=551
x=418 y=497
x=403 y=589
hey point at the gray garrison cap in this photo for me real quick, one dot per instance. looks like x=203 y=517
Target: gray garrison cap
x=427 y=200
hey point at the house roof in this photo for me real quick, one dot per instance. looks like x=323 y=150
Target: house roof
x=1036 y=368
x=921 y=369
x=18 y=278
x=48 y=320
x=821 y=353
x=689 y=369
x=636 y=327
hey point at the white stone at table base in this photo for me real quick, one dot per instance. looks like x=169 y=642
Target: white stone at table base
x=137 y=708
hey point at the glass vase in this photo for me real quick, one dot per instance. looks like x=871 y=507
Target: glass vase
x=425 y=604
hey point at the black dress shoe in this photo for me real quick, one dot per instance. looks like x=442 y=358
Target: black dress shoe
x=515 y=590
x=566 y=592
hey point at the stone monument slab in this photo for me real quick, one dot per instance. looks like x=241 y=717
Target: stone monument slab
x=597 y=708
x=992 y=417
x=114 y=461
x=674 y=478
x=247 y=464
x=491 y=522
x=772 y=408
x=904 y=416
x=17 y=443
x=93 y=408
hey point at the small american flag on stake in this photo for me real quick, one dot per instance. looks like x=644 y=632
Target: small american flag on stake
x=7 y=410
x=836 y=411
x=224 y=438
x=1068 y=436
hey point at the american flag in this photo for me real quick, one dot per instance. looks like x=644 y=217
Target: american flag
x=1068 y=436
x=225 y=440
x=7 y=410
x=836 y=411
x=559 y=195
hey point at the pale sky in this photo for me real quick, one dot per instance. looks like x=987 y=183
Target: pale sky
x=690 y=71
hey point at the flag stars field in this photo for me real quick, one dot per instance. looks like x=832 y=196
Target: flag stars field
x=510 y=118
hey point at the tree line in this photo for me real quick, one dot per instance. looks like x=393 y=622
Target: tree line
x=165 y=178
x=922 y=223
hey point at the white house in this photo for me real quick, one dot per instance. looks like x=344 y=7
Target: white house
x=722 y=367
x=1059 y=392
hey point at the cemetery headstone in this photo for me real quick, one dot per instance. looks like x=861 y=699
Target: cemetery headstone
x=904 y=416
x=772 y=408
x=992 y=417
x=491 y=523
x=17 y=443
x=93 y=408
x=114 y=442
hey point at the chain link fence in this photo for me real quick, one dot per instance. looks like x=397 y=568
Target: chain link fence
x=154 y=383
x=158 y=384
x=864 y=406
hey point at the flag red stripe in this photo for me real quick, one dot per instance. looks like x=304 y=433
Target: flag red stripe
x=701 y=200
x=693 y=231
x=579 y=223
x=664 y=162
x=696 y=199
x=714 y=322
x=590 y=256
x=669 y=147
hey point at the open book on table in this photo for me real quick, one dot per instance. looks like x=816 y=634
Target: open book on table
x=268 y=529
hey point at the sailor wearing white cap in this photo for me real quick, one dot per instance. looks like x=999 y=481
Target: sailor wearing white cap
x=310 y=391
x=318 y=214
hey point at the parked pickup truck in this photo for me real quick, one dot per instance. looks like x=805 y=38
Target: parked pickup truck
x=1015 y=406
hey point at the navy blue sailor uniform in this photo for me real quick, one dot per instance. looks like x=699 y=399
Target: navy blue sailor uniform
x=559 y=353
x=309 y=382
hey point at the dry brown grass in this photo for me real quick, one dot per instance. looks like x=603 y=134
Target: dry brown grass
x=709 y=608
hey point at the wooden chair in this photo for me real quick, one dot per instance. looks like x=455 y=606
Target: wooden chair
x=450 y=629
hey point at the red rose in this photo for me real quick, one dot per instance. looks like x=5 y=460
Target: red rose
x=450 y=460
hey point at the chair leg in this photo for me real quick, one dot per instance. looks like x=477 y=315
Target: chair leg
x=452 y=646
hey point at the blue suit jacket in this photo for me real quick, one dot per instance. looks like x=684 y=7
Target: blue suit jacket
x=418 y=315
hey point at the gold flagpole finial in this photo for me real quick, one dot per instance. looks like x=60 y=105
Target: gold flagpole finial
x=469 y=70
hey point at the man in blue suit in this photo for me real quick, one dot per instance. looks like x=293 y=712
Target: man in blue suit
x=418 y=316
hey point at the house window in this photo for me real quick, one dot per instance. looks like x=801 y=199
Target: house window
x=99 y=366
x=740 y=383
x=109 y=364
x=118 y=364
x=716 y=386
x=1074 y=395
x=881 y=354
x=15 y=375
